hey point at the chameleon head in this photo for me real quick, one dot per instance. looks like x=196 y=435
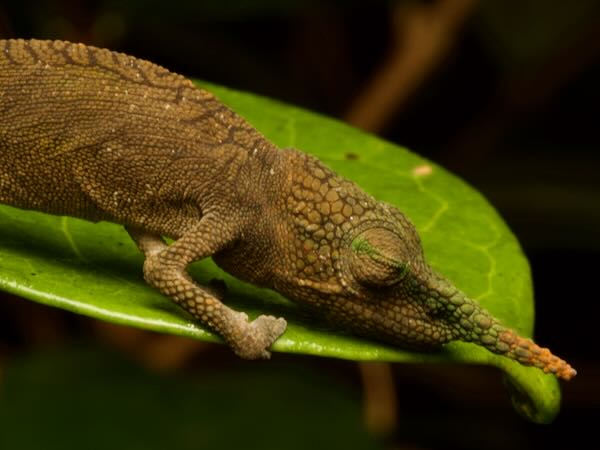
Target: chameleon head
x=360 y=263
x=407 y=302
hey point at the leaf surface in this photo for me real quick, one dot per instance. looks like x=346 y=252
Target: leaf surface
x=95 y=269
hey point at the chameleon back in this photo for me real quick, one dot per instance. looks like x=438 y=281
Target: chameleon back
x=96 y=134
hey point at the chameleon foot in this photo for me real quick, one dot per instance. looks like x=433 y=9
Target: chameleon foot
x=257 y=336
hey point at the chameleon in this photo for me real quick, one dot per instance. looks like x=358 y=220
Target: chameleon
x=103 y=136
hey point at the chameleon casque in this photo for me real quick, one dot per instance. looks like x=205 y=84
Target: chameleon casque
x=100 y=135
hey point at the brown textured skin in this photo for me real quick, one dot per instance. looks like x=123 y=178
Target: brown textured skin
x=100 y=135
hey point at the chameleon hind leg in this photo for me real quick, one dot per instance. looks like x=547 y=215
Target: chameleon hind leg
x=165 y=269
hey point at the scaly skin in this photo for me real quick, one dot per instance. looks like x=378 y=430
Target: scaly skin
x=103 y=136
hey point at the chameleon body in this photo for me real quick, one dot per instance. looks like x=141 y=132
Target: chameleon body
x=99 y=135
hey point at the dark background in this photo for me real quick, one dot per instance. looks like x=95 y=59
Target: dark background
x=504 y=93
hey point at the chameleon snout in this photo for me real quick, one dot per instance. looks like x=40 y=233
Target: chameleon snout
x=470 y=322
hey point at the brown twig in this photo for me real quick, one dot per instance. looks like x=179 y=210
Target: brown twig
x=380 y=408
x=423 y=35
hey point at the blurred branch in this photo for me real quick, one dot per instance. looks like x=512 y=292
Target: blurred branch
x=380 y=408
x=156 y=351
x=168 y=352
x=423 y=35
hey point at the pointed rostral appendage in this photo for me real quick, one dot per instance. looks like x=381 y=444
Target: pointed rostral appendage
x=471 y=323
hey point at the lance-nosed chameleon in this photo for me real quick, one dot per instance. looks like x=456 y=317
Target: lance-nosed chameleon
x=103 y=136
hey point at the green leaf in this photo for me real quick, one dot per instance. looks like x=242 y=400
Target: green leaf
x=95 y=269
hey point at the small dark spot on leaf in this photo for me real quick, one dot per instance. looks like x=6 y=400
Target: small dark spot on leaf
x=351 y=156
x=33 y=273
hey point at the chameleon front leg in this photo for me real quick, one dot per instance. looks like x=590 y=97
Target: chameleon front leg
x=165 y=269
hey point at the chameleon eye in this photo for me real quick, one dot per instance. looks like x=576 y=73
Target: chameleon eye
x=377 y=258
